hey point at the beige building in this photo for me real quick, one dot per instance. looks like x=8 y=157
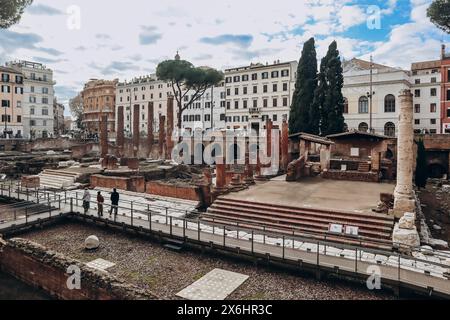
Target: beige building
x=58 y=118
x=11 y=97
x=259 y=92
x=99 y=98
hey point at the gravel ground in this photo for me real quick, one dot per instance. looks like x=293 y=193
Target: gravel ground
x=148 y=265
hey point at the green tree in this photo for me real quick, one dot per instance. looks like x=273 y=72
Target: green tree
x=421 y=166
x=330 y=95
x=76 y=109
x=11 y=11
x=185 y=78
x=439 y=14
x=302 y=101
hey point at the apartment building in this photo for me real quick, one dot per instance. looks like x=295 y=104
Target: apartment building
x=426 y=87
x=11 y=97
x=58 y=118
x=99 y=98
x=207 y=111
x=259 y=92
x=376 y=109
x=140 y=91
x=37 y=102
x=445 y=90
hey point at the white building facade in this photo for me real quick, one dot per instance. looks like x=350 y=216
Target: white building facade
x=259 y=92
x=37 y=100
x=382 y=114
x=426 y=87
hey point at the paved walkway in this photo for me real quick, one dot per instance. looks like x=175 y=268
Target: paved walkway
x=409 y=272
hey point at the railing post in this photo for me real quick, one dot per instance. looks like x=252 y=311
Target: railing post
x=150 y=220
x=264 y=234
x=26 y=215
x=356 y=260
x=15 y=216
x=65 y=196
x=253 y=233
x=213 y=227
x=28 y=196
x=184 y=229
x=166 y=216
x=224 y=235
x=283 y=246
x=76 y=198
x=318 y=247
x=170 y=225
x=237 y=225
x=131 y=213
x=49 y=208
x=18 y=193
x=198 y=229
x=71 y=205
x=59 y=201
x=9 y=191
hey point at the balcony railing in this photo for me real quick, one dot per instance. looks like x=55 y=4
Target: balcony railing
x=254 y=111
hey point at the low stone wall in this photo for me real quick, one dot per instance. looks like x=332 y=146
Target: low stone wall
x=39 y=267
x=174 y=191
x=350 y=175
x=135 y=184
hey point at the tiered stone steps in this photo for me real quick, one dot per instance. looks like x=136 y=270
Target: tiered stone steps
x=375 y=230
x=57 y=179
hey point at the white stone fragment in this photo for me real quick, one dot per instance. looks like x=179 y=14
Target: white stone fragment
x=405 y=237
x=91 y=243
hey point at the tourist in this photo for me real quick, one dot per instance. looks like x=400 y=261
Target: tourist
x=114 y=202
x=86 y=200
x=100 y=201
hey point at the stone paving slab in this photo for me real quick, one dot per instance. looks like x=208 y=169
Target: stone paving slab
x=216 y=285
x=100 y=264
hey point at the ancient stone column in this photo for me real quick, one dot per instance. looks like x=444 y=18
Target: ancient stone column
x=104 y=136
x=220 y=176
x=405 y=157
x=120 y=131
x=162 y=136
x=169 y=141
x=136 y=131
x=150 y=137
x=284 y=145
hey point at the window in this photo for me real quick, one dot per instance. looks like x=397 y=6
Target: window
x=417 y=108
x=44 y=100
x=265 y=75
x=207 y=117
x=433 y=121
x=265 y=103
x=285 y=87
x=228 y=105
x=5 y=103
x=236 y=104
x=364 y=127
x=345 y=106
x=275 y=74
x=6 y=89
x=275 y=117
x=5 y=77
x=448 y=113
x=448 y=95
x=389 y=103
x=245 y=77
x=32 y=111
x=19 y=119
x=255 y=103
x=237 y=79
x=45 y=112
x=417 y=81
x=275 y=87
x=433 y=107
x=245 y=89
x=236 y=91
x=45 y=90
x=222 y=116
x=275 y=102
x=254 y=76
x=416 y=121
x=389 y=129
x=32 y=123
x=255 y=89
x=417 y=93
x=433 y=80
x=433 y=92
x=227 y=79
x=285 y=73
x=228 y=92
x=363 y=105
x=265 y=88
x=31 y=89
x=245 y=104
x=285 y=102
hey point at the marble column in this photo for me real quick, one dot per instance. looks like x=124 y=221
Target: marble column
x=170 y=127
x=150 y=119
x=403 y=193
x=220 y=176
x=120 y=131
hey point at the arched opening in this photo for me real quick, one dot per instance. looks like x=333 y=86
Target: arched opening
x=345 y=106
x=363 y=105
x=389 y=129
x=389 y=103
x=363 y=127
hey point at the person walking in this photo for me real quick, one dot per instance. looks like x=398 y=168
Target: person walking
x=100 y=201
x=114 y=202
x=86 y=200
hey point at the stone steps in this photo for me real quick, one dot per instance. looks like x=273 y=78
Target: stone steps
x=57 y=179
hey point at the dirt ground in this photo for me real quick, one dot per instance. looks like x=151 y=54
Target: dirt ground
x=164 y=272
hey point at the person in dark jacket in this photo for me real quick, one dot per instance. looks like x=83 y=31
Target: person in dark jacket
x=100 y=201
x=114 y=202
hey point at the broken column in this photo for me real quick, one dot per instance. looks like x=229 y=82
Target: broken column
x=150 y=137
x=104 y=136
x=169 y=134
x=220 y=175
x=162 y=136
x=136 y=130
x=120 y=131
x=284 y=145
x=403 y=193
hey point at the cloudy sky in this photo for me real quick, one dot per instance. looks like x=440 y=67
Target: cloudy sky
x=123 y=39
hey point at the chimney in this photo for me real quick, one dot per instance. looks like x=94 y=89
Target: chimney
x=442 y=51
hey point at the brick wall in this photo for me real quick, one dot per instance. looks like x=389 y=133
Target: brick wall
x=136 y=184
x=350 y=175
x=36 y=266
x=173 y=191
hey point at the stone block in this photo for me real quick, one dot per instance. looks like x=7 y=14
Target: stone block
x=91 y=243
x=408 y=221
x=30 y=182
x=405 y=237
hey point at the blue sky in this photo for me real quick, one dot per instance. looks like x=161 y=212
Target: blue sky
x=116 y=39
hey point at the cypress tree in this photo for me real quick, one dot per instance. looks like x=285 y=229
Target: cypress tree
x=330 y=97
x=303 y=98
x=421 y=166
x=319 y=99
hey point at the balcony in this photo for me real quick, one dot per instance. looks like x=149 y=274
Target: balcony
x=254 y=111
